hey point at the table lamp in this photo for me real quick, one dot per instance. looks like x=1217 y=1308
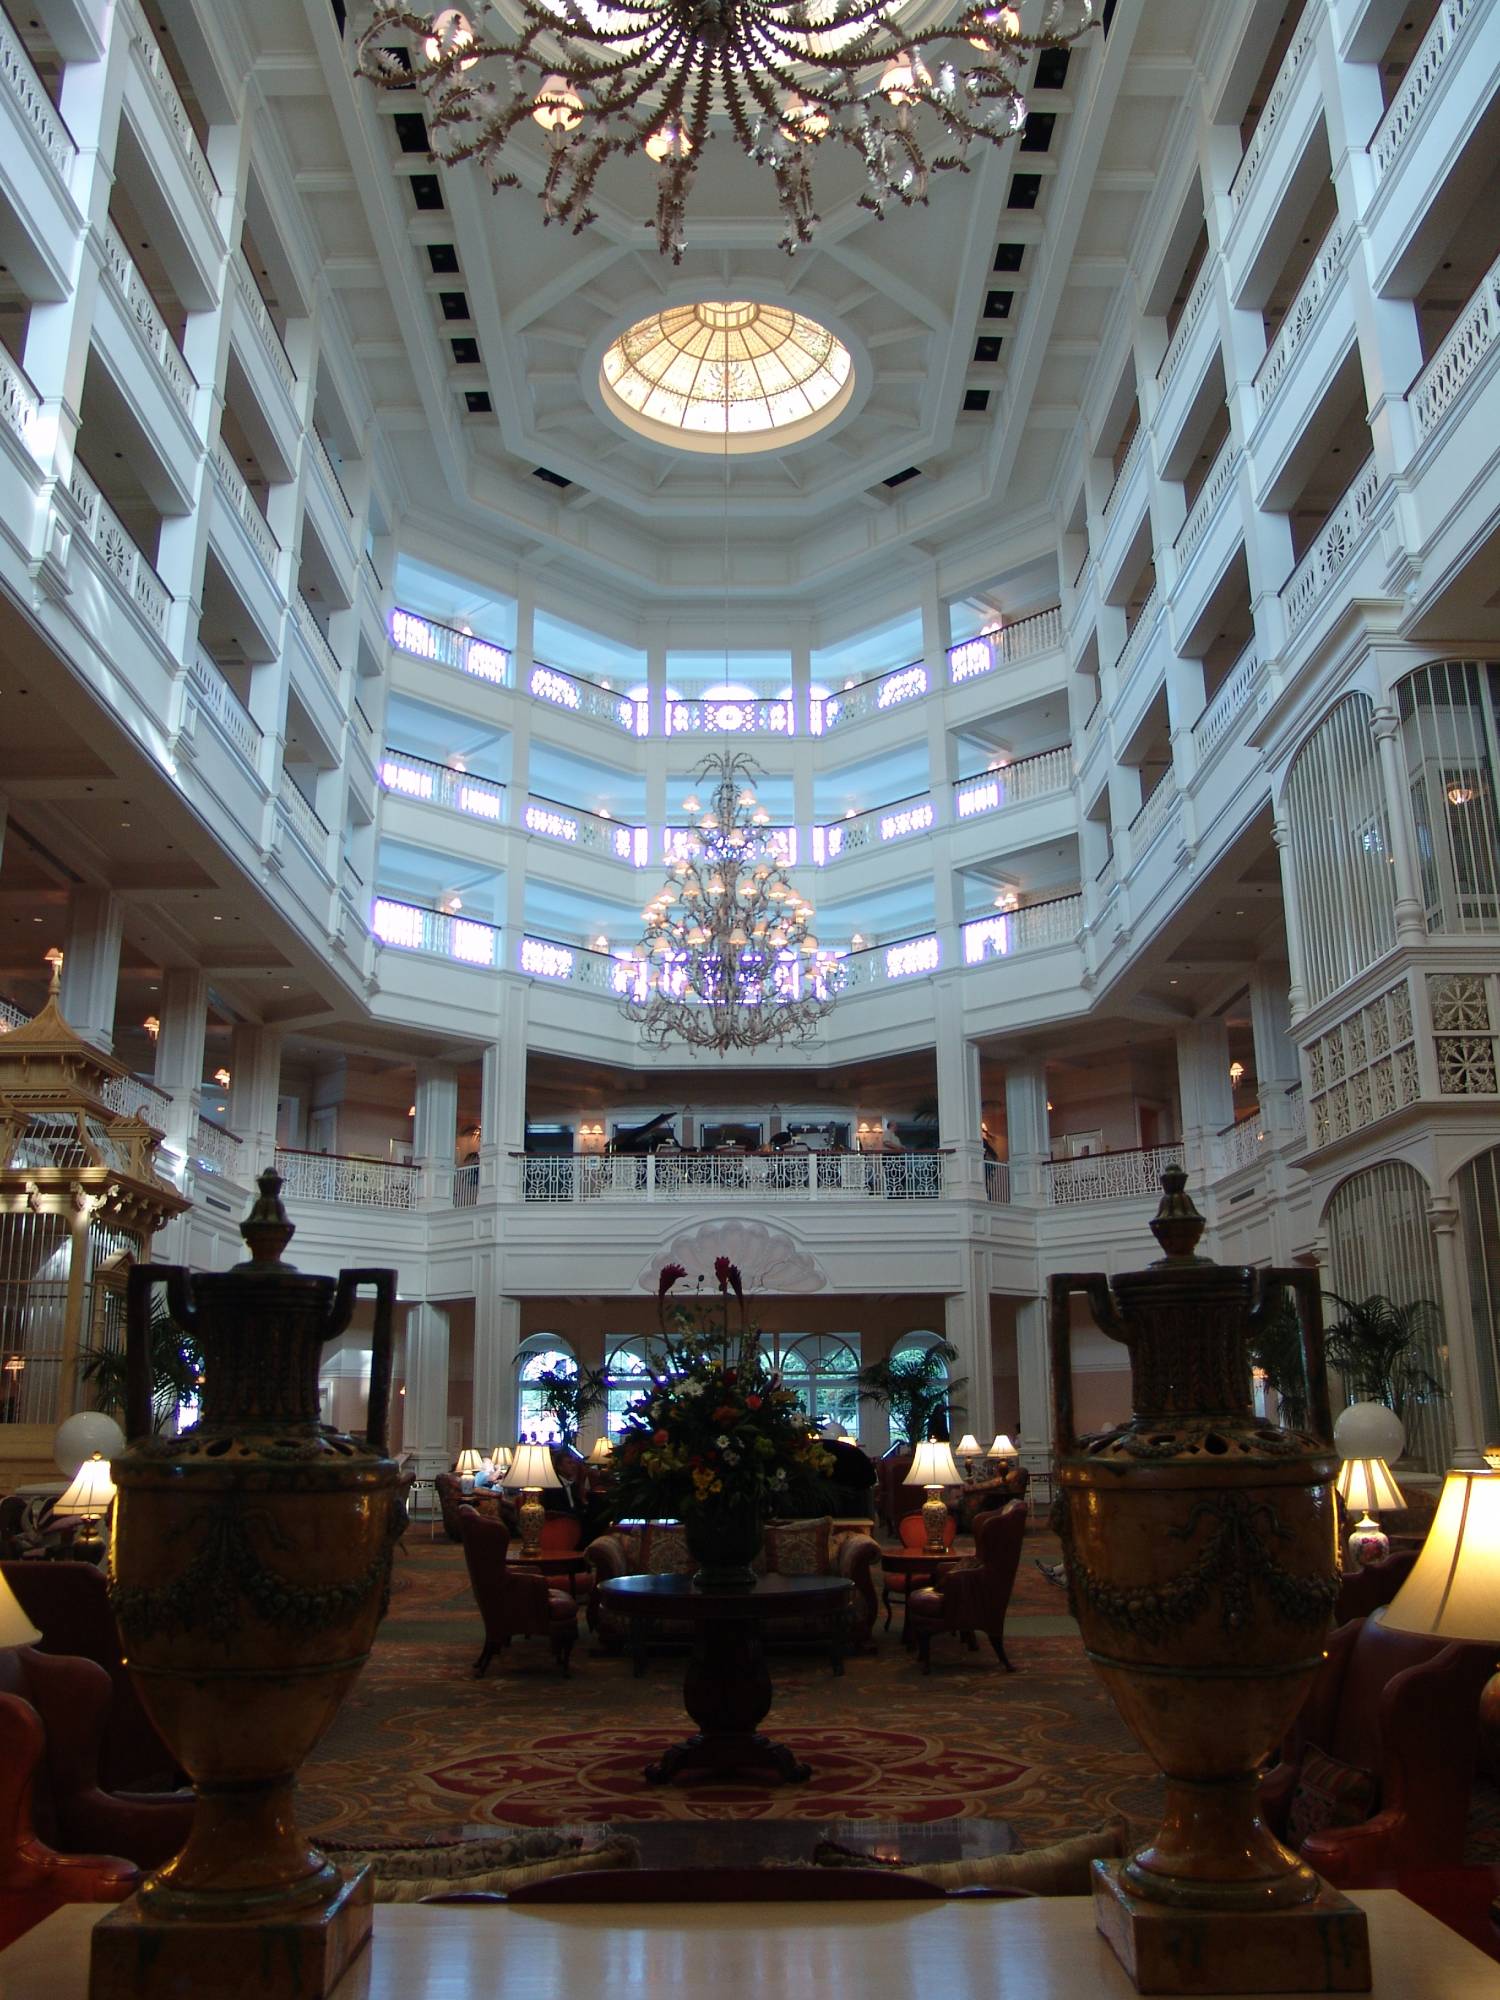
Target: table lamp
x=933 y=1468
x=968 y=1449
x=1002 y=1448
x=500 y=1459
x=16 y=1629
x=603 y=1452
x=89 y=1496
x=1366 y=1487
x=467 y=1464
x=531 y=1469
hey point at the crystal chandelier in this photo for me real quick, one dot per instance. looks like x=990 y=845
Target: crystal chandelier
x=609 y=78
x=729 y=959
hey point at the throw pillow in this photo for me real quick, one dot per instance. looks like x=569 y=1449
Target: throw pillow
x=799 y=1548
x=1327 y=1794
x=1060 y=1870
x=664 y=1549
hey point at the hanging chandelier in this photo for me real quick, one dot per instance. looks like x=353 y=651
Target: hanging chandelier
x=729 y=959
x=608 y=78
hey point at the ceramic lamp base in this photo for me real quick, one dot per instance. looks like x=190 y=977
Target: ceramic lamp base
x=935 y=1519
x=531 y=1515
x=1368 y=1543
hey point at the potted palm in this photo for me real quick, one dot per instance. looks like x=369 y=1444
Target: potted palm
x=913 y=1384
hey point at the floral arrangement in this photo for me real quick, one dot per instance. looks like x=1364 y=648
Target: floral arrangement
x=717 y=1429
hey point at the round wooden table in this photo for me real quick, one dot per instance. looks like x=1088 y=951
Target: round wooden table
x=913 y=1563
x=727 y=1687
x=550 y=1562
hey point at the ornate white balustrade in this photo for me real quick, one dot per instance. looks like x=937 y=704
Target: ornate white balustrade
x=11 y=1017
x=221 y=704
x=265 y=326
x=1421 y=79
x=302 y=820
x=324 y=461
x=216 y=1150
x=1031 y=928
x=1154 y=815
x=760 y=715
x=156 y=69
x=575 y=826
x=1182 y=333
x=586 y=697
x=1131 y=1176
x=779 y=843
x=713 y=1177
x=425 y=639
x=466 y=1186
x=1475 y=335
x=238 y=495
x=318 y=643
x=1214 y=723
x=1301 y=314
x=1195 y=527
x=1134 y=649
x=411 y=927
x=1337 y=539
x=1242 y=1144
x=1127 y=466
x=437 y=785
x=133 y=1096
x=997 y=1181
x=1106 y=880
x=118 y=553
x=141 y=308
x=1298 y=50
x=869 y=697
x=876 y=828
x=24 y=87
x=1040 y=633
x=1039 y=777
x=577 y=965
x=19 y=402
x=351 y=1182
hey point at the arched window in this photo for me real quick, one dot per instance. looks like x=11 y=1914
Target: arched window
x=1380 y=1242
x=542 y=1354
x=1340 y=849
x=1448 y=721
x=627 y=1374
x=912 y=1348
x=820 y=1369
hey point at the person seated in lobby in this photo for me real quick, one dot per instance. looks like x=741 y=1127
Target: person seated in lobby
x=852 y=1481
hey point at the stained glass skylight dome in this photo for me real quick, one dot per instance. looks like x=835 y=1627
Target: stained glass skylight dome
x=727 y=374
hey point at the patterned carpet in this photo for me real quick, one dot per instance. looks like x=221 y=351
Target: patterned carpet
x=421 y=1748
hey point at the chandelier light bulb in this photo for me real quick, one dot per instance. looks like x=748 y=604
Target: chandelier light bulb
x=692 y=803
x=451 y=31
x=801 y=121
x=558 y=106
x=904 y=79
x=668 y=142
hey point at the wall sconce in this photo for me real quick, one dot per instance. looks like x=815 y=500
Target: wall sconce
x=152 y=1026
x=601 y=943
x=411 y=1110
x=222 y=1078
x=458 y=764
x=450 y=903
x=1236 y=1074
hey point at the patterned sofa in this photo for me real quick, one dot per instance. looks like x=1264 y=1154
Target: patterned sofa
x=819 y=1547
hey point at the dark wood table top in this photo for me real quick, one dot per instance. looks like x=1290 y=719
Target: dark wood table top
x=550 y=1562
x=677 y=1596
x=916 y=1560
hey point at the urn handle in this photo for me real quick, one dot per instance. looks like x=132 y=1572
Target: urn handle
x=139 y=1286
x=377 y=1410
x=1306 y=1288
x=1095 y=1284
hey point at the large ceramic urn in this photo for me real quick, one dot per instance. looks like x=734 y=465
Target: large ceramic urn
x=251 y=1564
x=1201 y=1548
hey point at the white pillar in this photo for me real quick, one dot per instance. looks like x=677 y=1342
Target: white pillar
x=435 y=1132
x=1206 y=1092
x=502 y=1097
x=497 y=1338
x=967 y=1327
x=255 y=1071
x=1276 y=1072
x=1034 y=1384
x=1411 y=923
x=425 y=1418
x=91 y=964
x=1296 y=998
x=179 y=1051
x=1028 y=1140
x=958 y=1095
x=1458 y=1319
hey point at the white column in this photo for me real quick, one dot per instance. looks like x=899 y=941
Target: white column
x=179 y=1051
x=967 y=1327
x=958 y=1095
x=435 y=1132
x=1291 y=915
x=1028 y=1140
x=255 y=1071
x=1034 y=1381
x=1276 y=1072
x=91 y=964
x=1458 y=1320
x=502 y=1096
x=1411 y=923
x=1206 y=1092
x=497 y=1337
x=425 y=1418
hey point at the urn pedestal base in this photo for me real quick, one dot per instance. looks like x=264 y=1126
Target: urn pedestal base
x=1319 y=1947
x=300 y=1956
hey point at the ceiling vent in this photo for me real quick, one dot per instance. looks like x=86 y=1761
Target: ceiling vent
x=552 y=478
x=900 y=478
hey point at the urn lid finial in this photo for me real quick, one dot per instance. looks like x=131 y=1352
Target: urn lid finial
x=267 y=1229
x=1177 y=1225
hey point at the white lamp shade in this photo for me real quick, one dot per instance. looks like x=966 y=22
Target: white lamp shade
x=81 y=1435
x=16 y=1629
x=91 y=1491
x=1366 y=1487
x=1002 y=1447
x=933 y=1466
x=469 y=1462
x=968 y=1446
x=532 y=1467
x=501 y=1457
x=1453 y=1591
x=602 y=1452
x=1369 y=1430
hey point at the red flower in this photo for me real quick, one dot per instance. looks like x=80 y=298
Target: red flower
x=725 y=1414
x=722 y=1269
x=670 y=1273
x=752 y=1402
x=736 y=1282
x=731 y=1376
x=658 y=1437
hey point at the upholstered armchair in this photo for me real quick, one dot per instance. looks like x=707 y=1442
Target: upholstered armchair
x=974 y=1597
x=490 y=1501
x=1404 y=1708
x=512 y=1602
x=987 y=1496
x=53 y=1713
x=1365 y=1589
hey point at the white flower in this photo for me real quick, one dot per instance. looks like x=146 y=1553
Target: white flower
x=722 y=1443
x=690 y=1389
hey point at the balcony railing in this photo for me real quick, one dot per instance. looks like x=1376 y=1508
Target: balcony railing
x=271 y=341
x=874 y=696
x=436 y=784
x=1137 y=640
x=778 y=843
x=1421 y=79
x=141 y=308
x=222 y=705
x=577 y=965
x=1127 y=1176
x=346 y=1179
x=1217 y=484
x=1031 y=928
x=466 y=1186
x=317 y=639
x=1298 y=50
x=997 y=1181
x=1337 y=540
x=1214 y=723
x=11 y=1016
x=329 y=470
x=424 y=639
x=1039 y=777
x=876 y=828
x=1475 y=335
x=1154 y=815
x=1182 y=333
x=412 y=927
x=19 y=402
x=24 y=88
x=1040 y=633
x=1127 y=466
x=773 y=715
x=119 y=554
x=1301 y=314
x=216 y=1150
x=585 y=697
x=575 y=826
x=713 y=1177
x=302 y=820
x=1241 y=1144
x=166 y=90
x=886 y=964
x=137 y=1096
x=1106 y=879
x=241 y=502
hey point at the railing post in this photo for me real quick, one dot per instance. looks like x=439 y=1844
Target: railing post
x=651 y=1177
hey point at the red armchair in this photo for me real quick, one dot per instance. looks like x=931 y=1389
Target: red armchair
x=512 y=1602
x=53 y=1713
x=1405 y=1708
x=973 y=1598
